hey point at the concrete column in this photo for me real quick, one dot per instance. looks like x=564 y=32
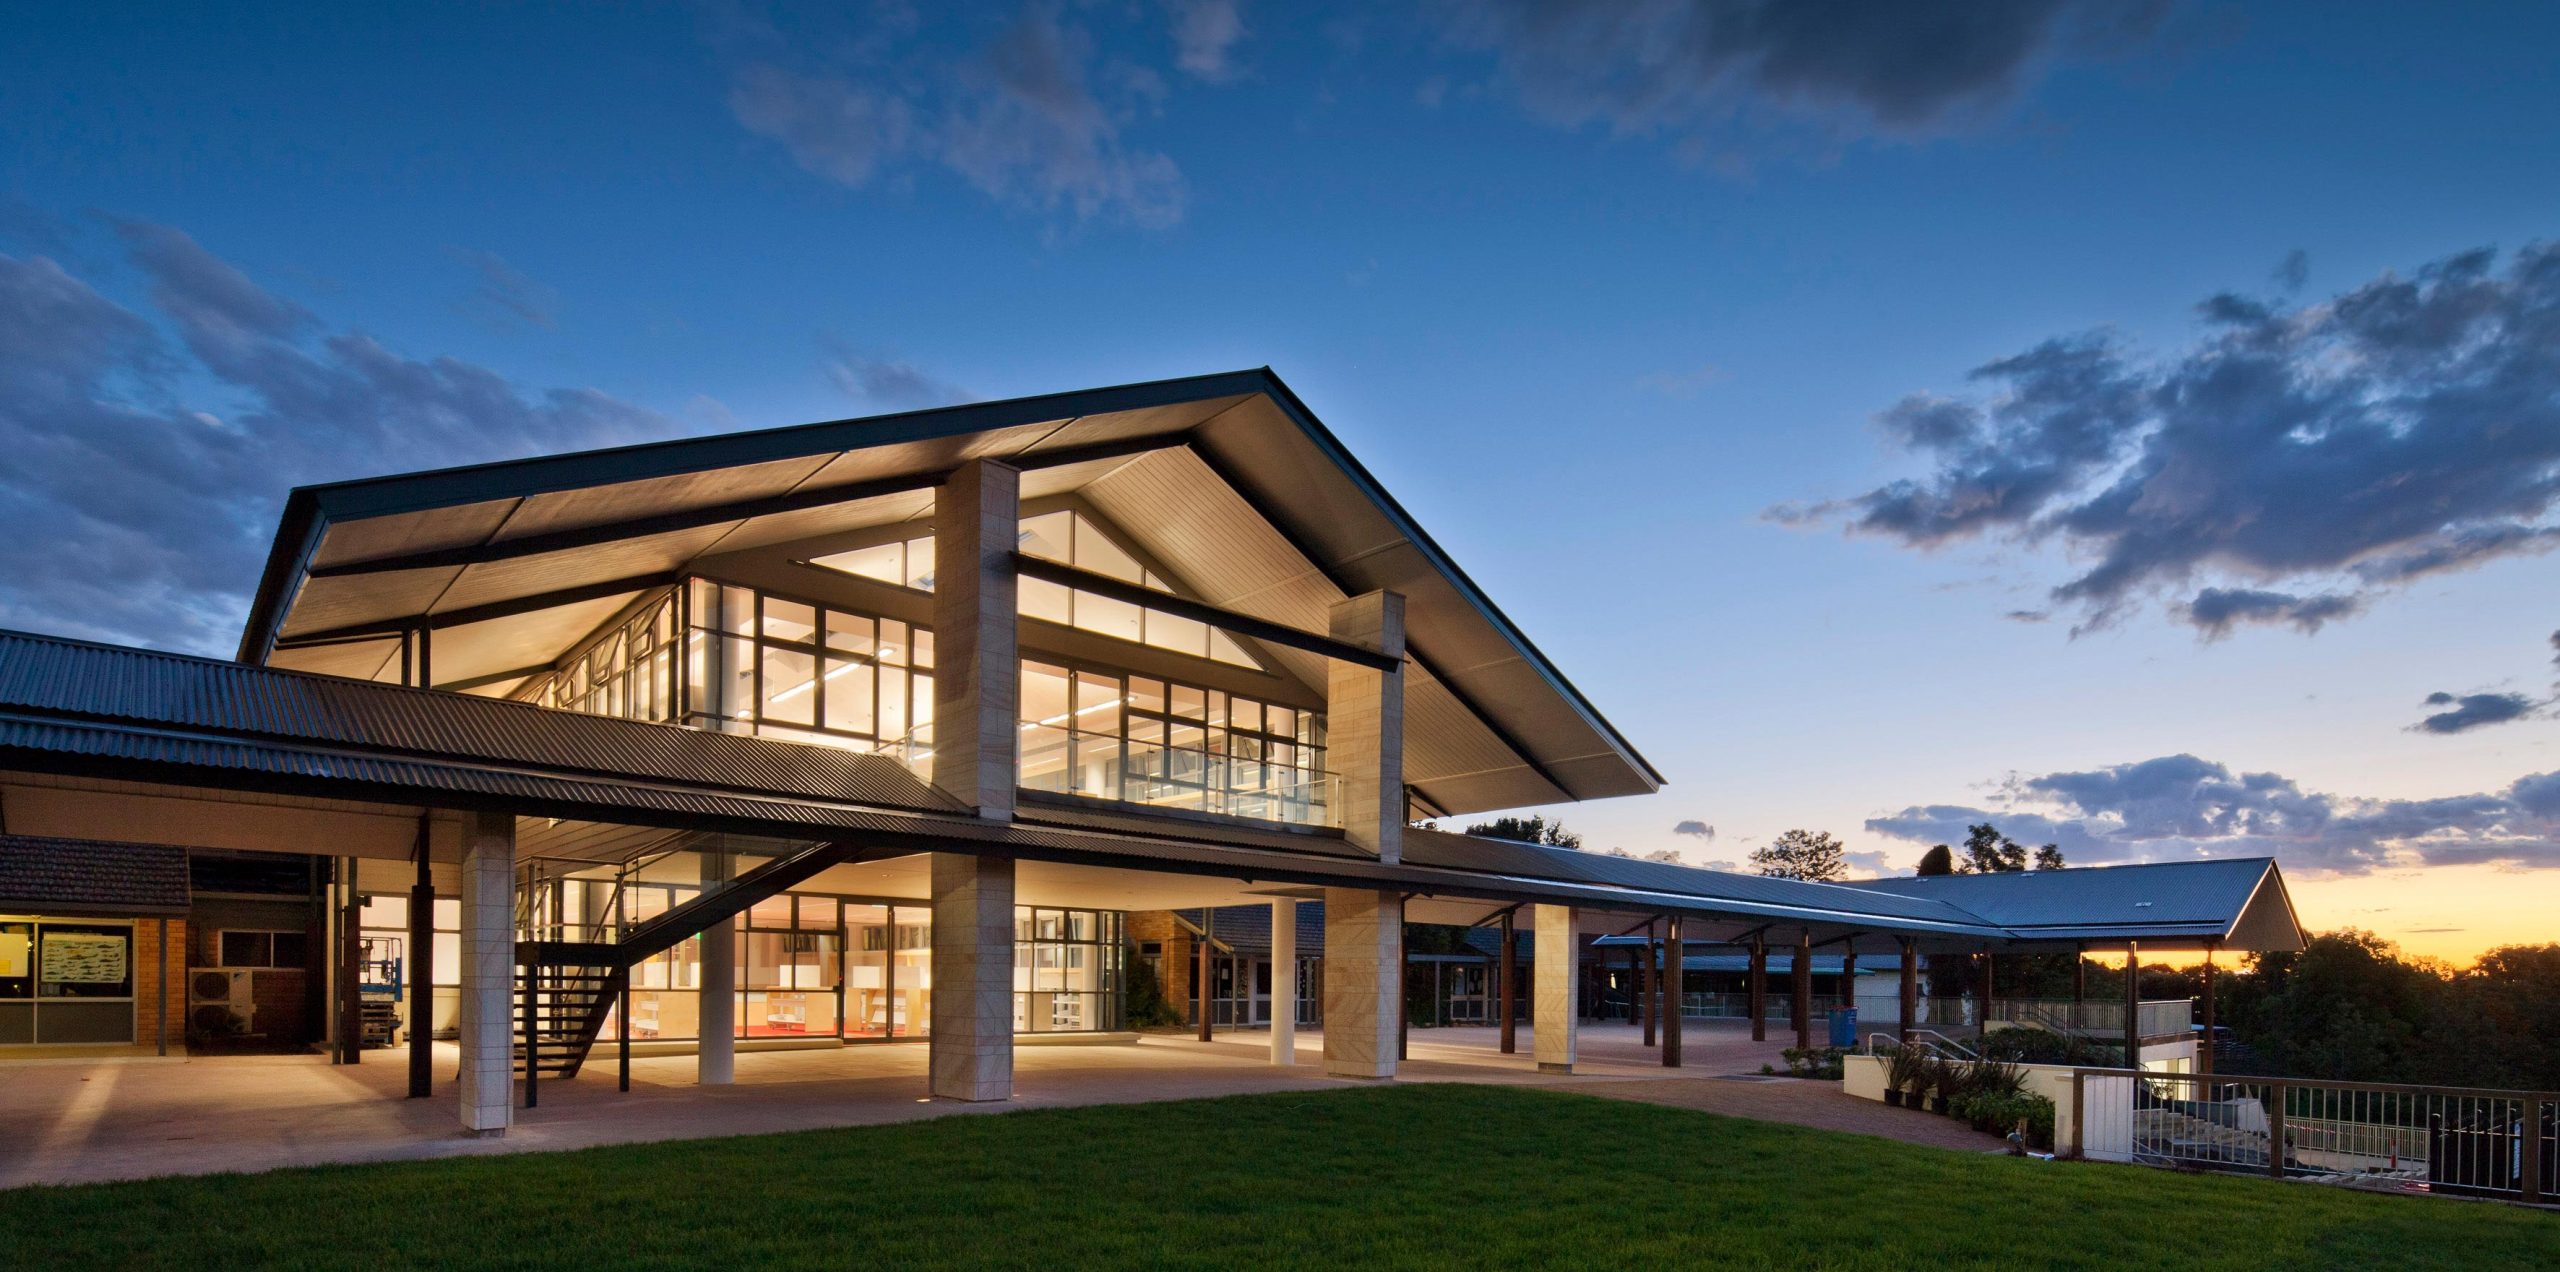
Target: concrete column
x=1364 y=726
x=487 y=1078
x=977 y=673
x=1363 y=985
x=1284 y=982
x=971 y=1053
x=1556 y=967
x=716 y=1056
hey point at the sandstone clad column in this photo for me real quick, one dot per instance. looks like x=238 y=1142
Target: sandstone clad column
x=486 y=1025
x=1555 y=964
x=971 y=1051
x=1363 y=993
x=716 y=1008
x=977 y=679
x=1284 y=982
x=1364 y=726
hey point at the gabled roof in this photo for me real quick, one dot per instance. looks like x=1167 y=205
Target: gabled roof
x=2239 y=901
x=1227 y=478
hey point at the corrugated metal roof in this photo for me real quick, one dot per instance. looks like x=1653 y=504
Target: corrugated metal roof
x=69 y=706
x=43 y=875
x=1536 y=861
x=75 y=678
x=2183 y=898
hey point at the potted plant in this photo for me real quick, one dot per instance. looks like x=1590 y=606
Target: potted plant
x=1903 y=1068
x=1943 y=1081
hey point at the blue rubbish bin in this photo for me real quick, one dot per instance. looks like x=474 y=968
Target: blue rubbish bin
x=1844 y=1026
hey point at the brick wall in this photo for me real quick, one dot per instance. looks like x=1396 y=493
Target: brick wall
x=159 y=997
x=1181 y=954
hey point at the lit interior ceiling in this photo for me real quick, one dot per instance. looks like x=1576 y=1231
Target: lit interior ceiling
x=1226 y=479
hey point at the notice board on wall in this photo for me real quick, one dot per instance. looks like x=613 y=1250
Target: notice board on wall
x=85 y=958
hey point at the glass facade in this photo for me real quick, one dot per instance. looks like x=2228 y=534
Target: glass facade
x=765 y=664
x=1069 y=538
x=627 y=670
x=1145 y=740
x=852 y=968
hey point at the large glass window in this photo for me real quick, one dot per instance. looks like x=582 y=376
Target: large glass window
x=758 y=663
x=1069 y=538
x=1066 y=970
x=627 y=670
x=1144 y=740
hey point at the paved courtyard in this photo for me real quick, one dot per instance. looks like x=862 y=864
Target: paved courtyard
x=119 y=1116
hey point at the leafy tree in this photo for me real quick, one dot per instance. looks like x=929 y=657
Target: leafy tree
x=2049 y=857
x=1528 y=830
x=1987 y=851
x=1801 y=854
x=1939 y=860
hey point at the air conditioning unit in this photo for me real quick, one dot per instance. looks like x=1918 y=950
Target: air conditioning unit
x=220 y=1002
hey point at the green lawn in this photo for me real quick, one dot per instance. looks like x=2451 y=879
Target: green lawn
x=1402 y=1176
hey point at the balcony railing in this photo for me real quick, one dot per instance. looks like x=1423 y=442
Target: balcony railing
x=2159 y=1018
x=1106 y=766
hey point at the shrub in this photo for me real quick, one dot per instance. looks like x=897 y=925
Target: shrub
x=1998 y=1113
x=1814 y=1062
x=1904 y=1069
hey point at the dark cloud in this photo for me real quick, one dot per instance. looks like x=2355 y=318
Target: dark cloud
x=1697 y=828
x=2215 y=610
x=888 y=381
x=1693 y=67
x=2472 y=710
x=2181 y=807
x=2029 y=616
x=139 y=479
x=1026 y=121
x=2404 y=429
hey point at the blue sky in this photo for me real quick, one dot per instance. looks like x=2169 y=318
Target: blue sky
x=1594 y=288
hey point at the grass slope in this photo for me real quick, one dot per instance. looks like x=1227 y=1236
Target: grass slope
x=1401 y=1176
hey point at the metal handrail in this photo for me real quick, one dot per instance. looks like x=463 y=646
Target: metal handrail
x=1942 y=1047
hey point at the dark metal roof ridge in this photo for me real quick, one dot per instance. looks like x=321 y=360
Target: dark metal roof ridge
x=309 y=509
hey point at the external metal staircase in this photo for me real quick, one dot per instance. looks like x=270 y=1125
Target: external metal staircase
x=565 y=990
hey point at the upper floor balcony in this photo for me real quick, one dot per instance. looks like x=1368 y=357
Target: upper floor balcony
x=1068 y=761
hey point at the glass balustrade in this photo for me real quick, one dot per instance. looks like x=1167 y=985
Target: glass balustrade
x=1066 y=761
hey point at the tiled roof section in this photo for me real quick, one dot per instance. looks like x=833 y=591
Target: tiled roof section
x=75 y=678
x=87 y=876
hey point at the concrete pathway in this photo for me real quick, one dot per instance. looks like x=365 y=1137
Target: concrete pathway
x=119 y=1117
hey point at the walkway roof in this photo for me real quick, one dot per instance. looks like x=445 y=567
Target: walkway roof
x=88 y=710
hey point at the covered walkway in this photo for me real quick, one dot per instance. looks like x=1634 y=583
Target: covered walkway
x=121 y=1117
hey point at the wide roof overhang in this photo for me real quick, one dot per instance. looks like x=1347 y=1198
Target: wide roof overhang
x=90 y=711
x=1227 y=479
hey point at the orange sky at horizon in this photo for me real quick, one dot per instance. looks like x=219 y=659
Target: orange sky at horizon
x=2455 y=913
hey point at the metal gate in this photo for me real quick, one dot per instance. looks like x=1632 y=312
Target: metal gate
x=2106 y=1117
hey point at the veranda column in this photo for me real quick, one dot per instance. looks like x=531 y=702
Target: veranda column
x=1363 y=983
x=1510 y=987
x=2132 y=1005
x=977 y=678
x=1284 y=982
x=2204 y=1049
x=1673 y=973
x=1910 y=989
x=1556 y=968
x=716 y=1055
x=1982 y=1009
x=1646 y=1006
x=1759 y=989
x=1364 y=726
x=1803 y=983
x=971 y=1051
x=487 y=1078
